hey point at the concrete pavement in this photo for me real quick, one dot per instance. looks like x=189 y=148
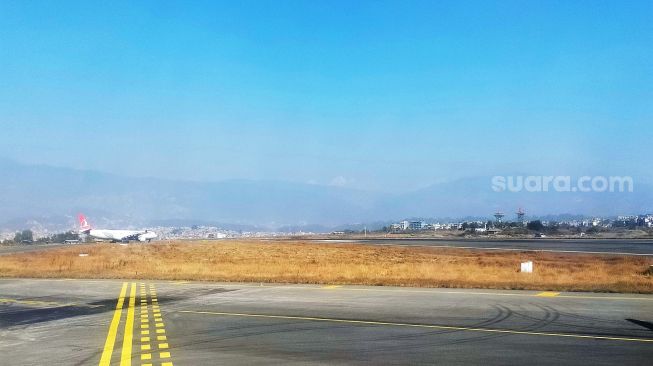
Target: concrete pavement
x=87 y=322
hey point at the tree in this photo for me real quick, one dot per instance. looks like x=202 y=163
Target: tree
x=535 y=225
x=28 y=235
x=62 y=237
x=24 y=236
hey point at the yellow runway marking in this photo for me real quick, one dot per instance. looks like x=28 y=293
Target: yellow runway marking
x=146 y=347
x=330 y=287
x=129 y=292
x=126 y=356
x=105 y=360
x=161 y=339
x=427 y=326
x=548 y=294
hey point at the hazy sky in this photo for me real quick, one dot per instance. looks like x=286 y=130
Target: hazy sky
x=374 y=95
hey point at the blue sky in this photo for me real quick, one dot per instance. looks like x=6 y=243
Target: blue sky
x=373 y=95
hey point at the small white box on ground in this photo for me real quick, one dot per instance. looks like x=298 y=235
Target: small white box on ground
x=527 y=267
x=83 y=254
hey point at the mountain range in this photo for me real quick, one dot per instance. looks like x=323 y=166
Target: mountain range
x=55 y=195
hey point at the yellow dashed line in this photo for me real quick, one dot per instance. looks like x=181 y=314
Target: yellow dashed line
x=145 y=341
x=162 y=343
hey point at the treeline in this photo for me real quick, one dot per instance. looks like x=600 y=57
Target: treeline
x=27 y=237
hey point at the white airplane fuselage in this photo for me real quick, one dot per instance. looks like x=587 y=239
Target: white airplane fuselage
x=122 y=235
x=114 y=235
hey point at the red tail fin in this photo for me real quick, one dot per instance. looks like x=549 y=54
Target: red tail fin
x=83 y=224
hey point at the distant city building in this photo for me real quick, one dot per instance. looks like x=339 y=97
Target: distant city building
x=416 y=225
x=395 y=228
x=645 y=220
x=422 y=226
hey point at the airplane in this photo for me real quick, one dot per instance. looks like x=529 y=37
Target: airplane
x=115 y=235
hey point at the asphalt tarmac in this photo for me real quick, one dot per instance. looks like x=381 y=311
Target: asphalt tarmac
x=111 y=322
x=641 y=247
x=637 y=247
x=22 y=248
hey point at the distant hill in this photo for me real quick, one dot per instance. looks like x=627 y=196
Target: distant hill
x=41 y=191
x=475 y=197
x=37 y=192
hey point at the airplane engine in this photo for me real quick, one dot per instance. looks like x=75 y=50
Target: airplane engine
x=147 y=236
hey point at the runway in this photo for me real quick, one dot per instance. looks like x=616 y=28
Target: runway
x=635 y=247
x=109 y=322
x=638 y=247
x=22 y=248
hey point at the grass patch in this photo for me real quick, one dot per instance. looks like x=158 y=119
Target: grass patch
x=319 y=263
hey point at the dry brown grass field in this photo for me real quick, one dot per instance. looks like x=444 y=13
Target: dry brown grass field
x=311 y=263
